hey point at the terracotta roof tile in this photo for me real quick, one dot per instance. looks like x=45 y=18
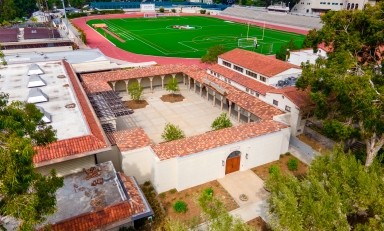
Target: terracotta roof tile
x=241 y=79
x=215 y=139
x=257 y=62
x=109 y=214
x=298 y=97
x=129 y=139
x=62 y=148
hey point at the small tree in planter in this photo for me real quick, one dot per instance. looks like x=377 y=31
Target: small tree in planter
x=172 y=132
x=161 y=9
x=221 y=122
x=135 y=91
x=172 y=86
x=292 y=164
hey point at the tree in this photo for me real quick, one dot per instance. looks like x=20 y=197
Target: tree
x=2 y=60
x=172 y=86
x=172 y=132
x=338 y=193
x=135 y=91
x=34 y=20
x=213 y=53
x=347 y=87
x=216 y=216
x=161 y=9
x=284 y=50
x=26 y=195
x=221 y=122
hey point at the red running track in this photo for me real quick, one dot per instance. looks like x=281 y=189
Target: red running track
x=95 y=40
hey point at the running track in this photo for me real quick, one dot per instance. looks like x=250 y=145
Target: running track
x=95 y=40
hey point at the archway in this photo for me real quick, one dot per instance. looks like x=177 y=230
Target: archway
x=233 y=162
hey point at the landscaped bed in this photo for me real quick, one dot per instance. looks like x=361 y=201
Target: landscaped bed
x=192 y=216
x=172 y=98
x=259 y=223
x=136 y=104
x=263 y=170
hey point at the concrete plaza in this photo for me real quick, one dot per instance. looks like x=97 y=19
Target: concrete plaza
x=194 y=115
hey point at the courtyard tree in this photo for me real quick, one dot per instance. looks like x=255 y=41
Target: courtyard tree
x=172 y=132
x=135 y=90
x=347 y=87
x=26 y=195
x=172 y=86
x=221 y=122
x=213 y=53
x=338 y=193
x=284 y=50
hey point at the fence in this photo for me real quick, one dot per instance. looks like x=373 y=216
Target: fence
x=165 y=4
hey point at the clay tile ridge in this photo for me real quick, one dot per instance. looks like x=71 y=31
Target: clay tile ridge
x=129 y=139
x=95 y=140
x=257 y=62
x=298 y=97
x=215 y=139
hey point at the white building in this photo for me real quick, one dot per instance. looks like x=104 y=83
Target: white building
x=298 y=57
x=318 y=7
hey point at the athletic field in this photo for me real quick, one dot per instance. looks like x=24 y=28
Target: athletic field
x=157 y=36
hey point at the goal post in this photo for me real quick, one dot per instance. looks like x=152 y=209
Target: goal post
x=247 y=42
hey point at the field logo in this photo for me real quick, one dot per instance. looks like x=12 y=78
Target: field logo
x=147 y=7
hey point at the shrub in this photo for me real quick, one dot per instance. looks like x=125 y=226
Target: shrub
x=208 y=191
x=162 y=195
x=221 y=122
x=281 y=156
x=147 y=183
x=161 y=9
x=151 y=188
x=172 y=132
x=292 y=164
x=180 y=206
x=209 y=13
x=172 y=191
x=287 y=153
x=274 y=169
x=202 y=11
x=173 y=11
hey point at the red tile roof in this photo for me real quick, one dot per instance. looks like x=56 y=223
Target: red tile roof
x=109 y=214
x=129 y=139
x=298 y=97
x=243 y=80
x=216 y=139
x=67 y=147
x=325 y=48
x=257 y=62
x=98 y=82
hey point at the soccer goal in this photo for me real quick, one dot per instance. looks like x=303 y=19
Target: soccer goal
x=247 y=42
x=150 y=15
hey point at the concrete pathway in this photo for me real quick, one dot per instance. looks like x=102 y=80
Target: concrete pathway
x=299 y=155
x=246 y=182
x=251 y=211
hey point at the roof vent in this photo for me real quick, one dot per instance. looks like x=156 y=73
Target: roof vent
x=36 y=81
x=36 y=96
x=47 y=117
x=35 y=69
x=280 y=83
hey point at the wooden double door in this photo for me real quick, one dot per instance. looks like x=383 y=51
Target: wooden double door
x=233 y=164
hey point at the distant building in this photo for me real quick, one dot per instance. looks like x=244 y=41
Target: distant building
x=319 y=7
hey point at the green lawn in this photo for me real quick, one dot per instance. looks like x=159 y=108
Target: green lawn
x=155 y=36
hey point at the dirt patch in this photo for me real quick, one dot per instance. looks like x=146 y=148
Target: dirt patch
x=136 y=104
x=192 y=216
x=263 y=170
x=114 y=35
x=315 y=145
x=172 y=98
x=259 y=223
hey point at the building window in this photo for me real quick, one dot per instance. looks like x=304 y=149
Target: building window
x=348 y=6
x=341 y=4
x=288 y=108
x=247 y=90
x=250 y=73
x=352 y=6
x=237 y=68
x=275 y=102
x=257 y=94
x=211 y=72
x=227 y=64
x=252 y=92
x=356 y=6
x=262 y=78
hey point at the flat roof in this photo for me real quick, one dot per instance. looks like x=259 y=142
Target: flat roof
x=72 y=57
x=67 y=119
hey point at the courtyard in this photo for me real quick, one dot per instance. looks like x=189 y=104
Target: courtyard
x=194 y=115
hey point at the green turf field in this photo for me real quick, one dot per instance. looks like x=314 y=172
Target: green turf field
x=155 y=36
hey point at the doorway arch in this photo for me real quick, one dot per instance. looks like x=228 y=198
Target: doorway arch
x=233 y=162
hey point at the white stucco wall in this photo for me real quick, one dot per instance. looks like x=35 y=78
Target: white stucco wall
x=165 y=175
x=137 y=163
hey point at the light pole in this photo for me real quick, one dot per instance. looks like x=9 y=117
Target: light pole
x=65 y=15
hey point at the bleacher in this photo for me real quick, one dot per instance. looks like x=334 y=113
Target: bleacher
x=262 y=15
x=41 y=33
x=9 y=35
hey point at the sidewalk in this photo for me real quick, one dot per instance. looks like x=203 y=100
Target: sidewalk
x=307 y=159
